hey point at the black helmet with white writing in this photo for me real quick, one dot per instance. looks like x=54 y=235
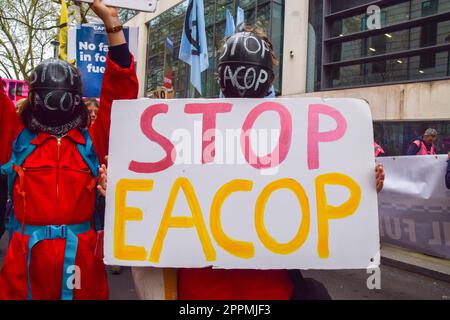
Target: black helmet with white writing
x=55 y=91
x=245 y=66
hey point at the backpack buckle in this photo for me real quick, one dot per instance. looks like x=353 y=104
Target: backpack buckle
x=57 y=232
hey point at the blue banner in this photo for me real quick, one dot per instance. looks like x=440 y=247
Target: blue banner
x=91 y=50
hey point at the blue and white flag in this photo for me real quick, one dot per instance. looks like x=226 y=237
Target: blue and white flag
x=240 y=17
x=193 y=48
x=229 y=27
x=169 y=44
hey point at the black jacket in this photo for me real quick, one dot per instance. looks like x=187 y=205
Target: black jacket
x=413 y=149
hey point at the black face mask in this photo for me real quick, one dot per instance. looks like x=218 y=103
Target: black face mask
x=54 y=107
x=245 y=67
x=55 y=98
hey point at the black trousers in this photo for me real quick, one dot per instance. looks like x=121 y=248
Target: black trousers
x=307 y=289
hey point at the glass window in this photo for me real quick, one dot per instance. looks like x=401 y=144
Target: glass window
x=126 y=14
x=170 y=24
x=340 y=5
x=315 y=31
x=395 y=137
x=424 y=67
x=419 y=37
x=348 y=26
x=400 y=12
x=353 y=56
x=277 y=41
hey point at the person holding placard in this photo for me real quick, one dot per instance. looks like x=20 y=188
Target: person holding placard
x=245 y=71
x=51 y=155
x=239 y=61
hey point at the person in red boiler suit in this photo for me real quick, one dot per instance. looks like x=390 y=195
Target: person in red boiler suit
x=54 y=187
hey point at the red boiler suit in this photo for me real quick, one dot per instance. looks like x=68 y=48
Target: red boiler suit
x=218 y=284
x=56 y=187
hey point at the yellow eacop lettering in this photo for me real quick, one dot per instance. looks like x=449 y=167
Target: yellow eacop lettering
x=240 y=249
x=124 y=214
x=196 y=220
x=326 y=212
x=268 y=241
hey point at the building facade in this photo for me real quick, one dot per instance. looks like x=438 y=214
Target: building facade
x=393 y=53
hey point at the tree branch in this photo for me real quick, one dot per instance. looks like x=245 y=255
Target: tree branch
x=26 y=28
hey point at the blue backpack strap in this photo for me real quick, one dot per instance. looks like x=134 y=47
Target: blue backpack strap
x=22 y=148
x=90 y=157
x=52 y=232
x=88 y=153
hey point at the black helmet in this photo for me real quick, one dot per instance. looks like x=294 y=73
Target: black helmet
x=55 y=91
x=245 y=66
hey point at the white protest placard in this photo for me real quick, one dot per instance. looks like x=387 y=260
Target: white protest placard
x=139 y=5
x=242 y=183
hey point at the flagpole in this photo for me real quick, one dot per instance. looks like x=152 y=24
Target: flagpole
x=193 y=45
x=192 y=91
x=165 y=61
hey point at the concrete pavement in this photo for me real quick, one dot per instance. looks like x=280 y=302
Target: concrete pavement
x=396 y=284
x=408 y=260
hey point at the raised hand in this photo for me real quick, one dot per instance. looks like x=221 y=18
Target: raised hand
x=107 y=14
x=111 y=19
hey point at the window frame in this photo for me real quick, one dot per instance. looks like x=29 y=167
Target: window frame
x=150 y=54
x=328 y=65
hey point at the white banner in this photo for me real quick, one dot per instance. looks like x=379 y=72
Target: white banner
x=415 y=204
x=242 y=183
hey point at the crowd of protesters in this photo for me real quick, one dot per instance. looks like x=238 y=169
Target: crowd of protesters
x=54 y=175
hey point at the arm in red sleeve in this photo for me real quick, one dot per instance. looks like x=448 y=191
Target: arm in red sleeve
x=118 y=84
x=10 y=125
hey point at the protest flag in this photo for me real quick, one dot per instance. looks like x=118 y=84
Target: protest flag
x=193 y=47
x=63 y=21
x=229 y=27
x=240 y=17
